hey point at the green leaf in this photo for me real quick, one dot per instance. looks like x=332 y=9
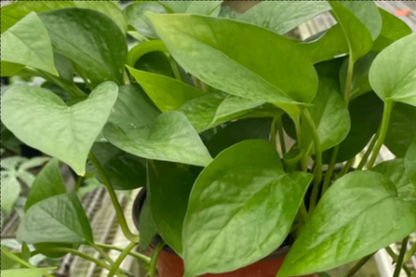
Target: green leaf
x=48 y=183
x=170 y=138
x=246 y=71
x=58 y=219
x=358 y=215
x=283 y=16
x=10 y=191
x=125 y=171
x=204 y=7
x=323 y=274
x=155 y=62
x=62 y=128
x=168 y=194
x=25 y=252
x=25 y=272
x=330 y=114
x=367 y=12
x=176 y=6
x=245 y=183
x=363 y=128
x=392 y=75
x=410 y=162
x=357 y=35
x=147 y=226
x=167 y=93
x=92 y=41
x=144 y=48
x=402 y=129
x=12 y=13
x=396 y=172
x=10 y=69
x=360 y=82
x=392 y=29
x=136 y=18
x=27 y=44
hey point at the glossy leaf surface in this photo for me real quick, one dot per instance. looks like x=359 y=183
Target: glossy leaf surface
x=283 y=16
x=359 y=214
x=27 y=44
x=92 y=41
x=136 y=17
x=393 y=73
x=67 y=133
x=245 y=183
x=170 y=138
x=167 y=93
x=48 y=183
x=250 y=71
x=56 y=219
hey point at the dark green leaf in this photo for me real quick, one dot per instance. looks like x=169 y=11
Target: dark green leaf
x=392 y=75
x=357 y=216
x=62 y=128
x=392 y=29
x=363 y=128
x=25 y=252
x=169 y=190
x=25 y=272
x=56 y=219
x=402 y=129
x=235 y=132
x=360 y=83
x=48 y=183
x=410 y=162
x=92 y=41
x=155 y=62
x=249 y=71
x=396 y=172
x=27 y=44
x=125 y=171
x=167 y=93
x=136 y=18
x=283 y=16
x=147 y=227
x=170 y=138
x=243 y=188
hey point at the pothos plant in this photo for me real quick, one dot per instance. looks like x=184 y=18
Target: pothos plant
x=197 y=113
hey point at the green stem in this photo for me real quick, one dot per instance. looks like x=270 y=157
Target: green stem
x=72 y=89
x=79 y=254
x=358 y=265
x=175 y=68
x=153 y=262
x=304 y=212
x=279 y=126
x=400 y=259
x=318 y=154
x=120 y=259
x=134 y=254
x=119 y=212
x=79 y=183
x=368 y=152
x=13 y=257
x=304 y=159
x=383 y=132
x=273 y=133
x=394 y=257
x=410 y=254
x=346 y=167
x=348 y=83
x=330 y=171
x=102 y=253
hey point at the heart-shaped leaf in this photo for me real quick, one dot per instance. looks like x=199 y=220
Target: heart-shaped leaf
x=103 y=50
x=67 y=133
x=396 y=172
x=167 y=93
x=12 y=13
x=357 y=216
x=283 y=16
x=411 y=162
x=168 y=192
x=170 y=138
x=393 y=73
x=392 y=29
x=27 y=44
x=136 y=18
x=249 y=71
x=402 y=129
x=58 y=219
x=245 y=183
x=25 y=272
x=48 y=183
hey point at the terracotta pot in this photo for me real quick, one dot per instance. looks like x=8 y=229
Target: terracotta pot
x=170 y=264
